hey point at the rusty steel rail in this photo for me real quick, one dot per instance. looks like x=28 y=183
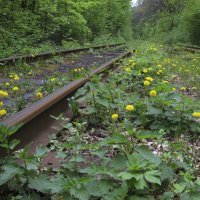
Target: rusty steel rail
x=36 y=120
x=46 y=55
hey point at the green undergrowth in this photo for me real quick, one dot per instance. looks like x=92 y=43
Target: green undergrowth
x=134 y=137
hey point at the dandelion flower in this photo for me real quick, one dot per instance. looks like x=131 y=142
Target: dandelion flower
x=174 y=89
x=3 y=93
x=127 y=69
x=165 y=82
x=148 y=78
x=145 y=70
x=7 y=84
x=16 y=78
x=53 y=79
x=130 y=108
x=146 y=83
x=196 y=114
x=39 y=95
x=15 y=89
x=3 y=112
x=153 y=93
x=115 y=117
x=183 y=88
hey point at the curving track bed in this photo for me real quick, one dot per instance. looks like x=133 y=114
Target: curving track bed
x=27 y=82
x=189 y=48
x=36 y=117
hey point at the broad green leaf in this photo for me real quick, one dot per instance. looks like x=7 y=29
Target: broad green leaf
x=80 y=193
x=136 y=197
x=13 y=143
x=119 y=162
x=88 y=110
x=179 y=187
x=41 y=183
x=148 y=155
x=125 y=176
x=58 y=184
x=41 y=151
x=152 y=176
x=166 y=172
x=8 y=172
x=146 y=134
x=140 y=184
x=32 y=196
x=195 y=195
x=115 y=139
x=99 y=188
x=154 y=111
x=118 y=193
x=81 y=92
x=103 y=102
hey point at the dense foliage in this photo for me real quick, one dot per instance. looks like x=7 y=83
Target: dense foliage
x=168 y=20
x=30 y=23
x=135 y=138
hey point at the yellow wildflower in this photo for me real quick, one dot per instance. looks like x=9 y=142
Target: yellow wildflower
x=150 y=68
x=7 y=84
x=1 y=103
x=130 y=108
x=145 y=70
x=146 y=83
x=158 y=73
x=127 y=69
x=53 y=79
x=174 y=89
x=39 y=95
x=153 y=93
x=196 y=114
x=194 y=88
x=15 y=89
x=148 y=78
x=115 y=117
x=3 y=93
x=16 y=78
x=165 y=82
x=2 y=112
x=183 y=88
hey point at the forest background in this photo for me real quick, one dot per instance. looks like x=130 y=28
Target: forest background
x=31 y=26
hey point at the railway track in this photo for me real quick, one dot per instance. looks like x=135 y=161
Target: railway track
x=36 y=120
x=46 y=76
x=46 y=55
x=189 y=48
